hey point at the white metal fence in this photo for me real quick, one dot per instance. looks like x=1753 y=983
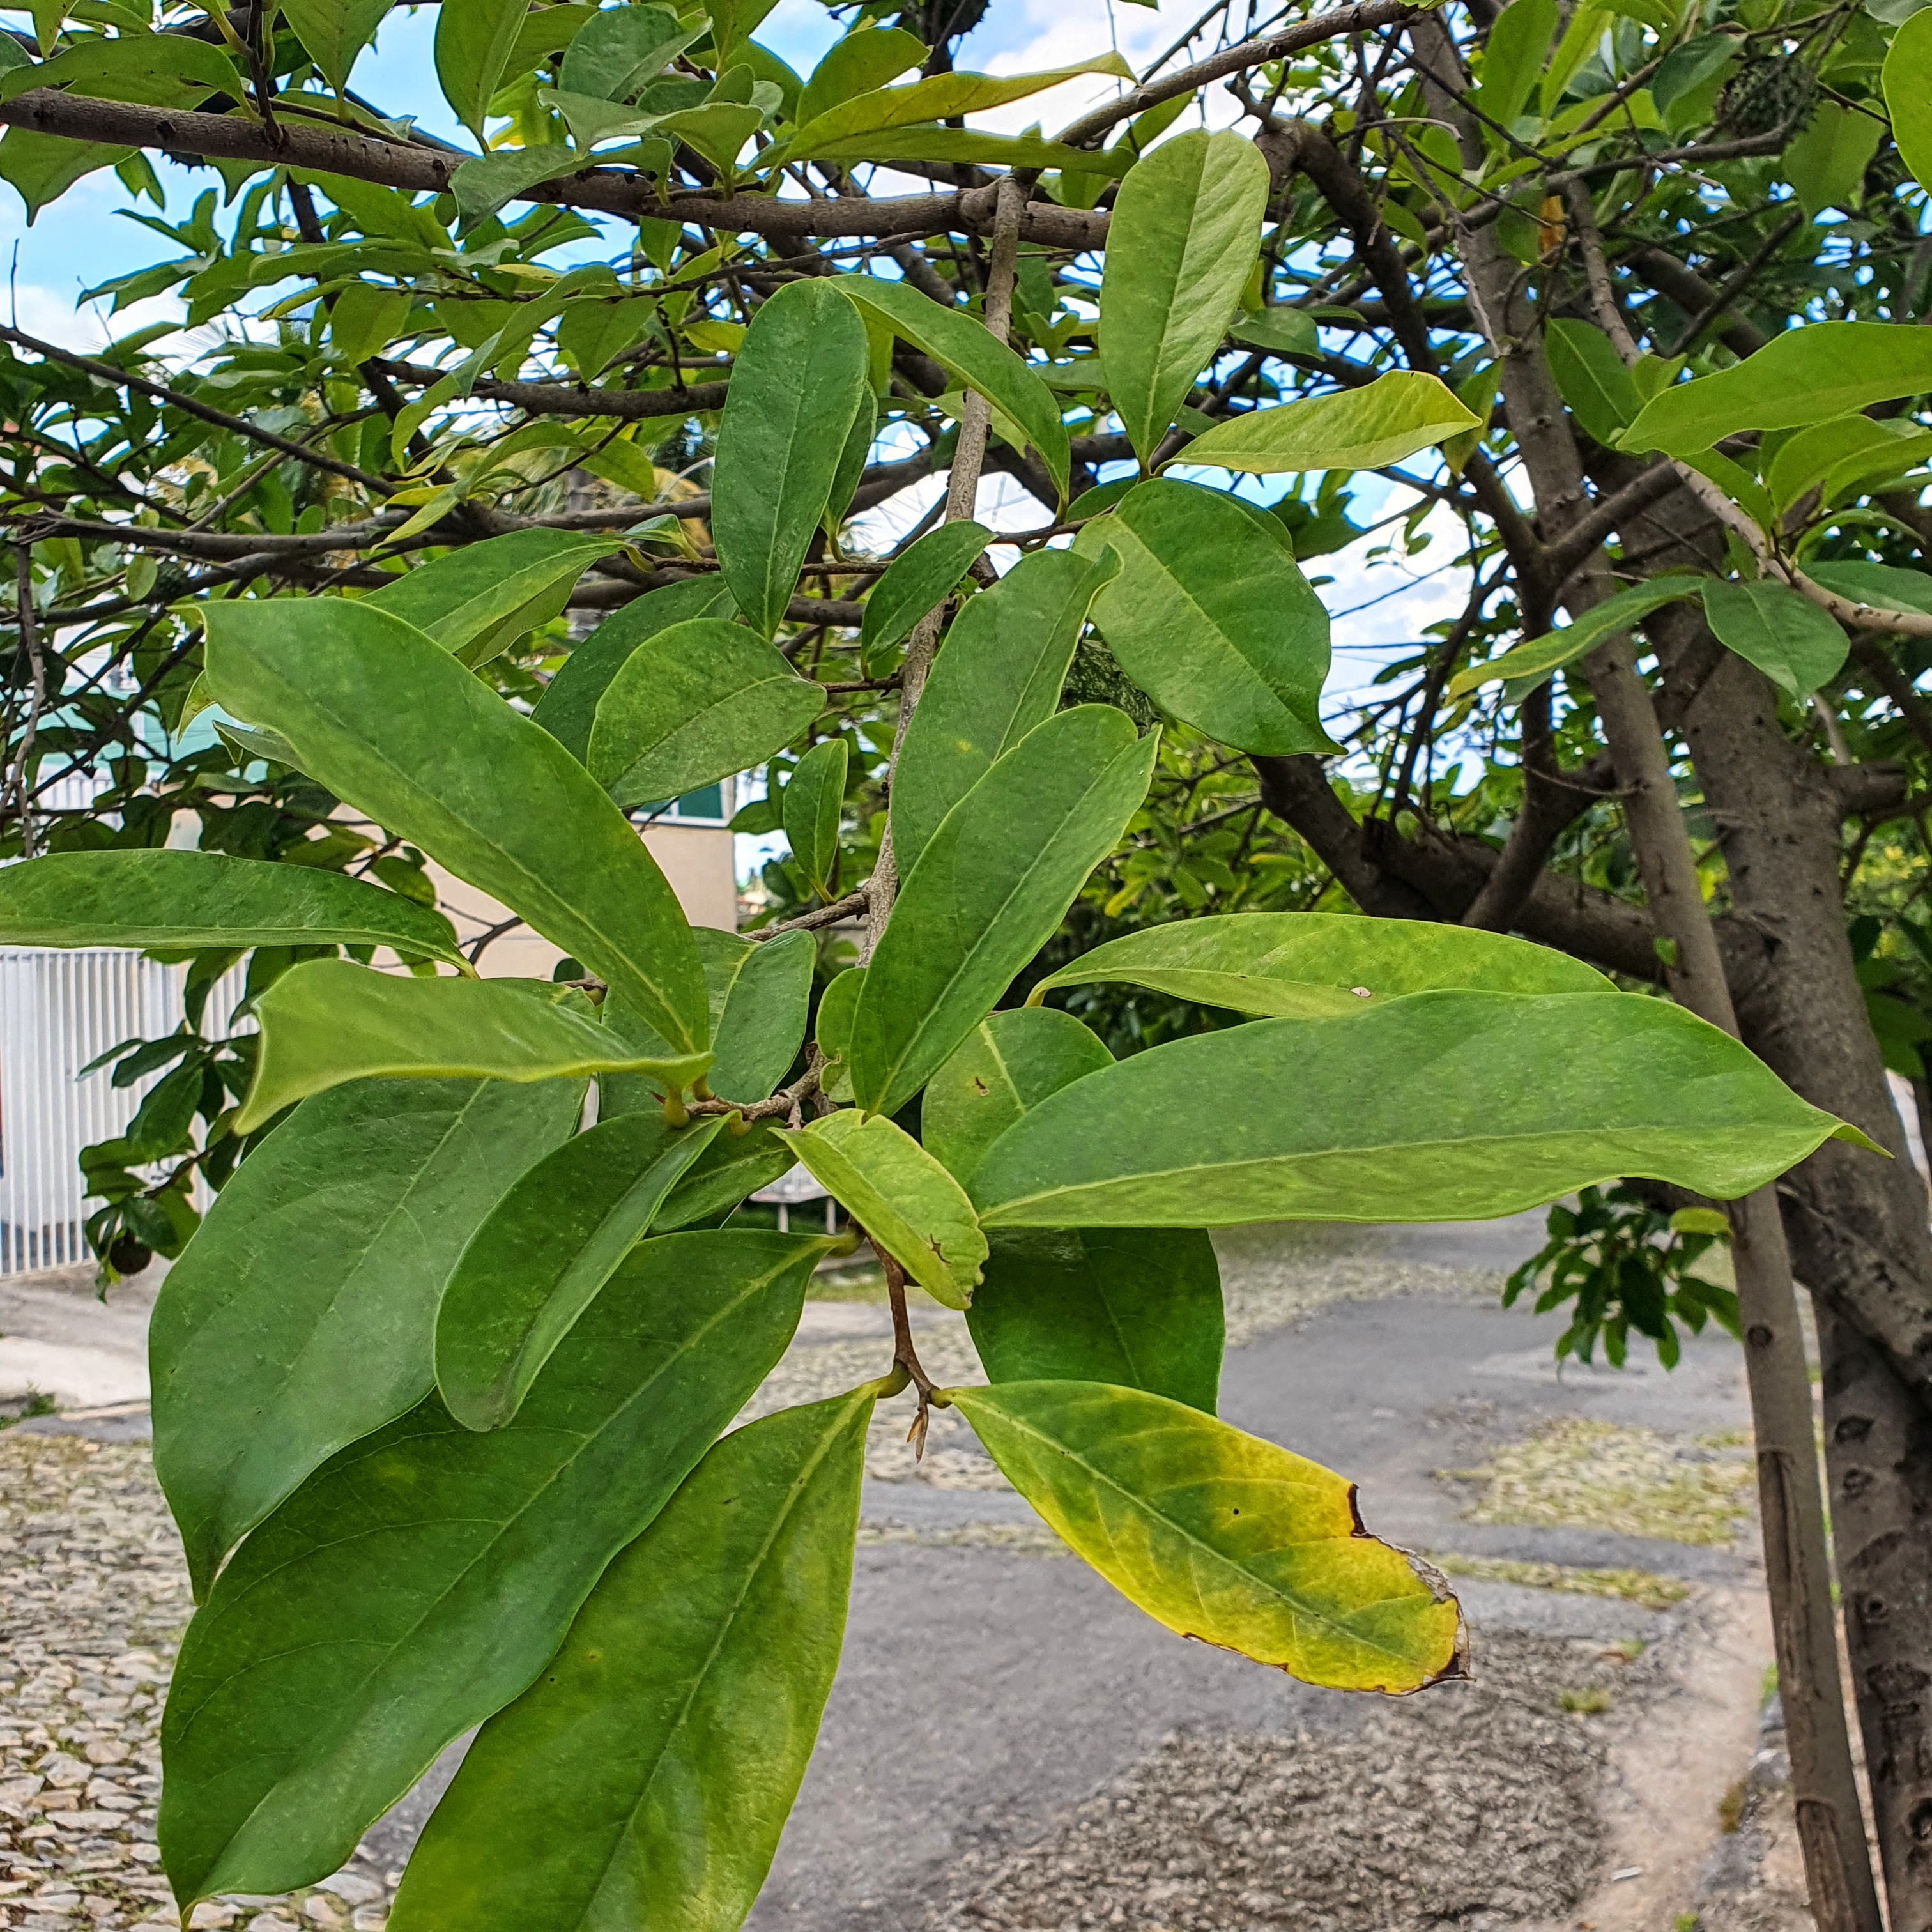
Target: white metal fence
x=59 y=1010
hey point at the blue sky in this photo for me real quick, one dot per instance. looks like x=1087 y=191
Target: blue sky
x=84 y=238
x=82 y=241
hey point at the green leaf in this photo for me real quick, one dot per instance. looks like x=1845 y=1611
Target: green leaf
x=333 y=32
x=488 y=182
x=1735 y=481
x=1804 y=459
x=692 y=704
x=473 y=43
x=863 y=61
x=329 y=1021
x=1512 y=57
x=1541 y=656
x=814 y=797
x=648 y=1773
x=1821 y=369
x=732 y=24
x=990 y=888
x=1601 y=392
x=312 y=1690
x=940 y=98
x=1690 y=76
x=247 y=743
x=1581 y=36
x=1210 y=617
x=42 y=167
x=1907 y=82
x=546 y=33
x=301 y=1316
x=1441 y=1106
x=397 y=728
x=1847 y=456
x=832 y=1031
x=1286 y=331
x=998 y=676
x=759 y=993
x=800 y=377
x=1313 y=965
x=547 y=1248
x=852 y=461
x=186 y=902
x=1219 y=1535
x=1010 y=1061
x=1368 y=428
x=959 y=343
x=367 y=317
x=905 y=1200
x=718 y=131
x=1796 y=645
x=1825 y=160
x=477 y=601
x=1185 y=233
x=160 y=70
x=1883 y=586
x=735 y=1165
x=762 y=993
x=569 y=706
x=1701 y=1221
x=621 y=49
x=1137 y=1307
x=919 y=576
x=933 y=141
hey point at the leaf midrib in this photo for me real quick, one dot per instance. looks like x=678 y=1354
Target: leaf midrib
x=794 y=1496
x=503 y=1528
x=988 y=926
x=619 y=954
x=1145 y=1175
x=1246 y=666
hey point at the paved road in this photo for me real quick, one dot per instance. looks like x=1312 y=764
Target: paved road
x=983 y=1692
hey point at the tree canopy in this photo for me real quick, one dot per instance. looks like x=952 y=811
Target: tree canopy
x=525 y=485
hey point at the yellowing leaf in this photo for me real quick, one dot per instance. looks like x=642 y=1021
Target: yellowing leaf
x=328 y=1021
x=1358 y=429
x=1220 y=1535
x=940 y=98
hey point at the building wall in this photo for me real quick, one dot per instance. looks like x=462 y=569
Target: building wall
x=696 y=859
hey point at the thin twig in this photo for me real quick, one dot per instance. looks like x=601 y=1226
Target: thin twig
x=962 y=496
x=819 y=915
x=106 y=372
x=904 y=1355
x=37 y=696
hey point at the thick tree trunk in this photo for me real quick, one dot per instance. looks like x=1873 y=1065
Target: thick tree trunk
x=1857 y=1229
x=1831 y=1827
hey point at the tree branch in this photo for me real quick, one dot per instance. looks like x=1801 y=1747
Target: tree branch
x=106 y=372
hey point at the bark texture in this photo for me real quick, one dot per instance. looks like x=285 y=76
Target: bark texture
x=1859 y=1239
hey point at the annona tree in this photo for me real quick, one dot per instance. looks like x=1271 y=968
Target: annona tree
x=1561 y=273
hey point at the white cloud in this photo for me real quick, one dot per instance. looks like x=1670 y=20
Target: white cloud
x=1059 y=33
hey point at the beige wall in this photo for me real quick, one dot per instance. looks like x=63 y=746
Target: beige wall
x=696 y=859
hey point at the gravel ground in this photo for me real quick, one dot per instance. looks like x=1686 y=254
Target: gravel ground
x=1582 y=1472
x=94 y=1599
x=1469 y=1806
